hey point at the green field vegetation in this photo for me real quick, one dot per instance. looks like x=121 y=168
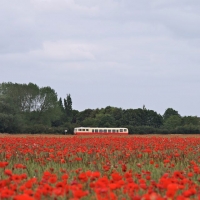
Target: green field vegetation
x=103 y=168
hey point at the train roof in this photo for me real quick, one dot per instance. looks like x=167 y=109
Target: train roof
x=102 y=127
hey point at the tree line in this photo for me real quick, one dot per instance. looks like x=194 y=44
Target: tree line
x=28 y=108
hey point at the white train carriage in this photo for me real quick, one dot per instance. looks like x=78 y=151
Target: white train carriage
x=100 y=131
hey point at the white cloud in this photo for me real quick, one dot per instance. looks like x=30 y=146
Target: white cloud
x=128 y=49
x=64 y=51
x=62 y=5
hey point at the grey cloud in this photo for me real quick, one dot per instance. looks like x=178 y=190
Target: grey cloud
x=105 y=52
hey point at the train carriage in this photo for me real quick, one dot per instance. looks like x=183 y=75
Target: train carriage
x=100 y=131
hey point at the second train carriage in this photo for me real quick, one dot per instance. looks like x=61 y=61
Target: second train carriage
x=100 y=131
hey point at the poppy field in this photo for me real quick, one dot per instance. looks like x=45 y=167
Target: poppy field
x=102 y=168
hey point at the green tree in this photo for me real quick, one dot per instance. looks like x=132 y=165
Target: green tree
x=169 y=112
x=153 y=119
x=10 y=119
x=130 y=117
x=105 y=120
x=81 y=116
x=190 y=120
x=75 y=113
x=23 y=96
x=141 y=117
x=35 y=105
x=60 y=103
x=90 y=122
x=68 y=108
x=46 y=108
x=172 y=122
x=115 y=112
x=60 y=120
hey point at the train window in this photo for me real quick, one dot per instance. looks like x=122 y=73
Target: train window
x=96 y=131
x=105 y=131
x=109 y=131
x=117 y=131
x=124 y=130
x=93 y=130
x=113 y=130
x=87 y=129
x=83 y=129
x=79 y=129
x=121 y=130
x=100 y=131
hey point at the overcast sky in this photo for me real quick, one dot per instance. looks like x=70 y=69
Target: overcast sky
x=122 y=53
